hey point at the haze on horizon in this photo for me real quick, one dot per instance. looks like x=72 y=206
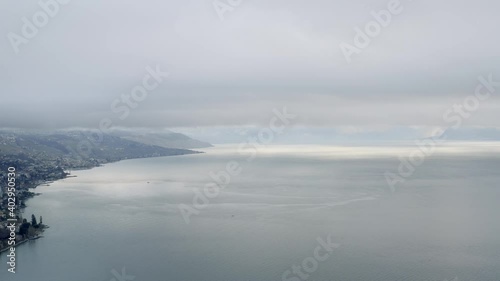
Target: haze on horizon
x=264 y=55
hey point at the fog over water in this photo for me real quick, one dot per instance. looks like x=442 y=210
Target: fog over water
x=273 y=72
x=440 y=224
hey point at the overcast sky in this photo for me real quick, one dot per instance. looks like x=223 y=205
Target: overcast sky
x=265 y=54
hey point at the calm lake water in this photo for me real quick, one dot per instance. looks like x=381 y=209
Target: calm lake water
x=441 y=224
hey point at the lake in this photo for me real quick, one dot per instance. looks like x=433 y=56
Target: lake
x=122 y=221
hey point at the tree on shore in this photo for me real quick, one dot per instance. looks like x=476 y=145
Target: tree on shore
x=23 y=230
x=33 y=221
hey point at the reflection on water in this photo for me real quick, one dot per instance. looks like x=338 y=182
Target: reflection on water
x=440 y=224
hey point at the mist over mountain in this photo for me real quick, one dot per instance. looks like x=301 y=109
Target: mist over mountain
x=83 y=148
x=164 y=138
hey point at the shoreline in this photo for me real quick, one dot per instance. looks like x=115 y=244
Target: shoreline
x=67 y=174
x=20 y=243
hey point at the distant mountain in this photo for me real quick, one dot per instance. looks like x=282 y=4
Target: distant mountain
x=165 y=138
x=76 y=149
x=39 y=156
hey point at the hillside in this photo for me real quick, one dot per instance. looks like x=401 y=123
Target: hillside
x=45 y=156
x=162 y=138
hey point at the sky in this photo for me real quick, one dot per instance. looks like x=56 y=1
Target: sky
x=230 y=63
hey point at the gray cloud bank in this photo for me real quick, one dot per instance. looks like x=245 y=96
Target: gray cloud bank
x=264 y=55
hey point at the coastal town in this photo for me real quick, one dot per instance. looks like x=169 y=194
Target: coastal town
x=15 y=227
x=28 y=160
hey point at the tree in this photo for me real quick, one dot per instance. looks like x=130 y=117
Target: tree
x=33 y=221
x=24 y=229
